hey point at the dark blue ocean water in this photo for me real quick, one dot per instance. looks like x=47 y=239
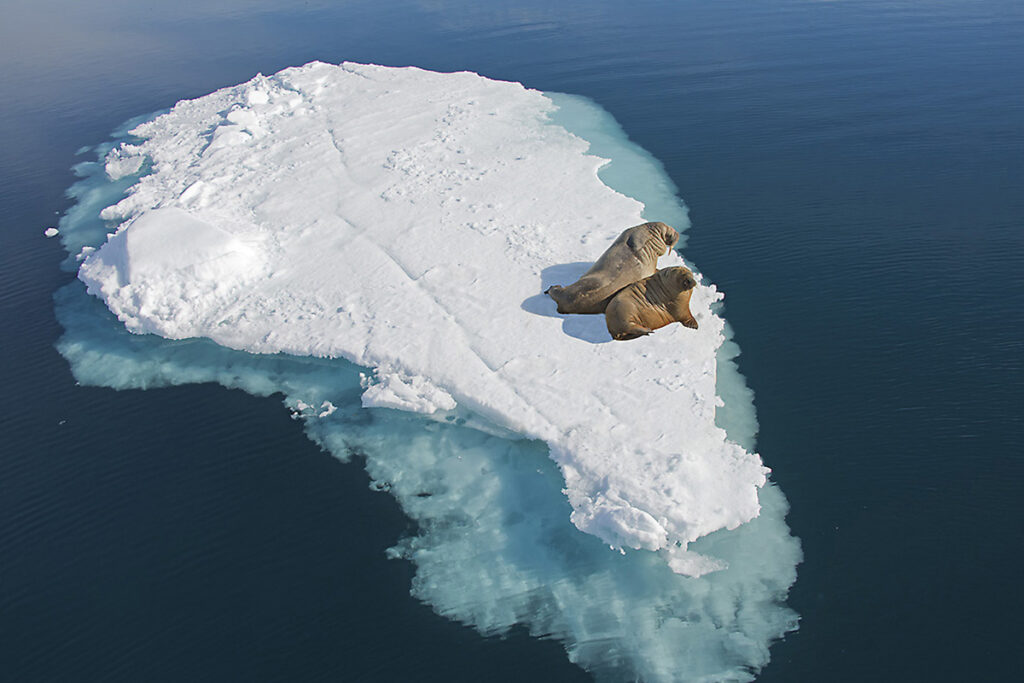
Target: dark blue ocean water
x=854 y=175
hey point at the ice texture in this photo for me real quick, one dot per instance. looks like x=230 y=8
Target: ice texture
x=493 y=545
x=408 y=221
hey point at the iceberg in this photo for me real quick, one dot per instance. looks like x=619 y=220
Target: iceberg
x=373 y=243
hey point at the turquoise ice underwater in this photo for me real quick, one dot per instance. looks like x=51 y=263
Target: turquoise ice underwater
x=494 y=545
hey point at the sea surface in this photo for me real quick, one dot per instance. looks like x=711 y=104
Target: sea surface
x=854 y=173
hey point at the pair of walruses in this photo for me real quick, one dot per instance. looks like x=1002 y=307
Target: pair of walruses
x=626 y=285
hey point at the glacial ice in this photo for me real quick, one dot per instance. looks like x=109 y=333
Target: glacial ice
x=407 y=221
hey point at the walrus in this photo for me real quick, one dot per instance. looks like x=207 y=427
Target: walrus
x=632 y=256
x=655 y=301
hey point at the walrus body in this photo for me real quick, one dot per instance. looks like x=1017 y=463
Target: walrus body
x=631 y=257
x=655 y=301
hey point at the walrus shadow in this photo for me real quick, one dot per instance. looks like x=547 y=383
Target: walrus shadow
x=589 y=328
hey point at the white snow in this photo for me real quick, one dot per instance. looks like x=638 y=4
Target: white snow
x=417 y=394
x=123 y=161
x=409 y=221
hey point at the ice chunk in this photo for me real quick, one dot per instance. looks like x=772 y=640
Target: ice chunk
x=394 y=390
x=123 y=161
x=493 y=546
x=408 y=221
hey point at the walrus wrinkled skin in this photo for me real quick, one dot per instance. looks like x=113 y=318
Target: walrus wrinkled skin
x=632 y=256
x=655 y=301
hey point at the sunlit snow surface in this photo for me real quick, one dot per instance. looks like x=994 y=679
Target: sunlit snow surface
x=408 y=221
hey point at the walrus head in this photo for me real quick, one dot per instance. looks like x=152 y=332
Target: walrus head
x=680 y=282
x=667 y=232
x=678 y=278
x=642 y=240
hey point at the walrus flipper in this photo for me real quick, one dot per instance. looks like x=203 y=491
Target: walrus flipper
x=679 y=309
x=586 y=295
x=632 y=332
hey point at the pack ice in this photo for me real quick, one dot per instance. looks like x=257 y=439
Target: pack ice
x=408 y=221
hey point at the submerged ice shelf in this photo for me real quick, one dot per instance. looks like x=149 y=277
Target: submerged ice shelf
x=408 y=221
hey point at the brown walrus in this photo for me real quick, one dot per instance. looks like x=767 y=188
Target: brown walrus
x=655 y=301
x=632 y=256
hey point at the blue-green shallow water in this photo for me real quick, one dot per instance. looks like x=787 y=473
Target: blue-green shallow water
x=853 y=173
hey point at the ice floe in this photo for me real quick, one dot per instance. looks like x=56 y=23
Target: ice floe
x=493 y=545
x=408 y=221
